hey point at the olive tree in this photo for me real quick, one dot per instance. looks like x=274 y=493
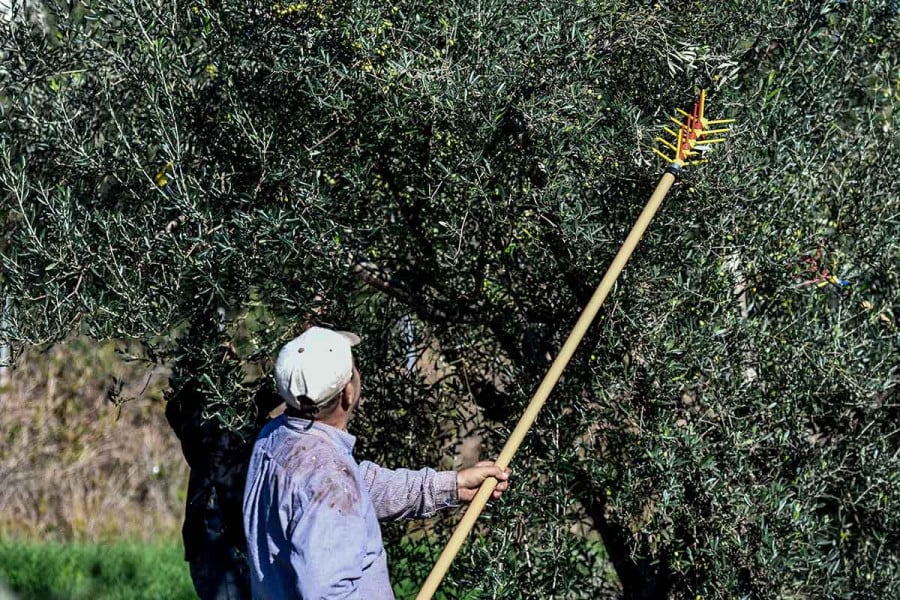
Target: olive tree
x=452 y=179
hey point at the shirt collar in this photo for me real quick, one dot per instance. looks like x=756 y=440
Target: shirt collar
x=340 y=438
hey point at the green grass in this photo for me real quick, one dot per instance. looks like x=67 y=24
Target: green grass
x=121 y=570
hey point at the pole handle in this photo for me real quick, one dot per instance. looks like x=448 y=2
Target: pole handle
x=543 y=392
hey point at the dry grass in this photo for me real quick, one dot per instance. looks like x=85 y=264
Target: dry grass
x=75 y=467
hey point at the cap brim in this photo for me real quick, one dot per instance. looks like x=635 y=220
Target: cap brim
x=354 y=339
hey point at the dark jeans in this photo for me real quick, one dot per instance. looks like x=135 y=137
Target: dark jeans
x=219 y=582
x=218 y=569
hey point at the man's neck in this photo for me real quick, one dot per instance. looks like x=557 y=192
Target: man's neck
x=338 y=419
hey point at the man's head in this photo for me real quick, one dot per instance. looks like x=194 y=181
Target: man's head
x=315 y=373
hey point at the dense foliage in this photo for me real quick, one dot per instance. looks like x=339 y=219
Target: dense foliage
x=462 y=173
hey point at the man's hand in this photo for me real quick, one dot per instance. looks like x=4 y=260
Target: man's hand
x=469 y=480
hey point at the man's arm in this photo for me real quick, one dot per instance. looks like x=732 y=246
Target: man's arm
x=405 y=494
x=328 y=540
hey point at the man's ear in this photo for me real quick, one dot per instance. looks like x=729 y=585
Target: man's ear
x=347 y=396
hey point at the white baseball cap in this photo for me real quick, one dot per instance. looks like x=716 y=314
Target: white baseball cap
x=317 y=365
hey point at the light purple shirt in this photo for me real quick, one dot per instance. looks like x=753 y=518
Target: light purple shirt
x=311 y=513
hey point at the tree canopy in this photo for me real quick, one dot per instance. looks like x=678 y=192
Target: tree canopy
x=453 y=178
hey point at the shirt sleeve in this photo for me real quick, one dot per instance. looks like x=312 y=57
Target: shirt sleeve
x=404 y=494
x=328 y=540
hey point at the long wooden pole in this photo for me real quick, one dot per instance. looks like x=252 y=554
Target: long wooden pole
x=543 y=392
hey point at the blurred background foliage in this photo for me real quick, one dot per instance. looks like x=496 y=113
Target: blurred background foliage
x=450 y=180
x=75 y=467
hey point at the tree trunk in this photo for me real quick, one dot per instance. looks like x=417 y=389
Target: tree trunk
x=642 y=579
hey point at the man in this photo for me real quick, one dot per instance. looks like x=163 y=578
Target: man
x=213 y=532
x=213 y=536
x=310 y=511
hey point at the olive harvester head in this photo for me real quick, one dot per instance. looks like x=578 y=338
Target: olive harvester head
x=692 y=139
